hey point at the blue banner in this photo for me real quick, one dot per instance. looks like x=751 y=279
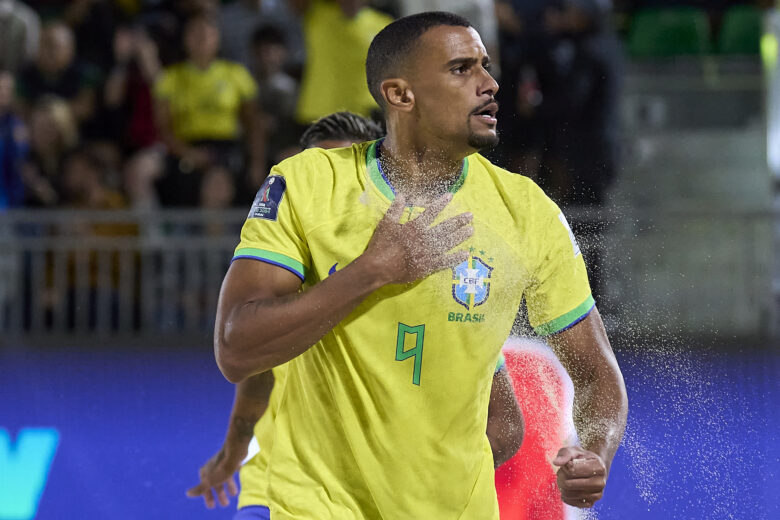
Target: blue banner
x=120 y=434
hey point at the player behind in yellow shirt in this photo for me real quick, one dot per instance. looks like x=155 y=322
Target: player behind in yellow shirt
x=386 y=277
x=337 y=35
x=255 y=402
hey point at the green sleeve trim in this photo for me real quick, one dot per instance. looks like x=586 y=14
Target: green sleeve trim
x=272 y=258
x=568 y=320
x=500 y=364
x=463 y=173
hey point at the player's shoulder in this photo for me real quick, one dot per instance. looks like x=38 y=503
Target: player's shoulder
x=315 y=159
x=521 y=188
x=317 y=167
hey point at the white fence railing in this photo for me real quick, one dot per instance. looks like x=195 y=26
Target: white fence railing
x=81 y=274
x=118 y=273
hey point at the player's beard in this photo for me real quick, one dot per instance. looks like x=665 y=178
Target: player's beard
x=481 y=142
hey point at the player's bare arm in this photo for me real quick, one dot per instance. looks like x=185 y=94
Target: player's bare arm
x=600 y=410
x=505 y=426
x=216 y=475
x=263 y=320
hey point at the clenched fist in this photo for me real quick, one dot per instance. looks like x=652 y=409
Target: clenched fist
x=582 y=476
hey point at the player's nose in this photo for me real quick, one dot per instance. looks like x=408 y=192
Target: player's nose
x=488 y=85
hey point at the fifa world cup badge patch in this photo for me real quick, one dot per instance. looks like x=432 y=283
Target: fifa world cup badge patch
x=268 y=198
x=471 y=282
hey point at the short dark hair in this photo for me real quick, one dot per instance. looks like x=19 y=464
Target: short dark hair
x=268 y=34
x=341 y=126
x=390 y=48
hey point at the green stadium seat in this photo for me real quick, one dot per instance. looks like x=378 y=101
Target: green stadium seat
x=741 y=31
x=665 y=32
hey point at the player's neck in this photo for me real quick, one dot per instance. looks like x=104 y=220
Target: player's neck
x=417 y=170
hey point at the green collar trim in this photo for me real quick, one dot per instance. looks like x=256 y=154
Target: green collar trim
x=375 y=174
x=568 y=320
x=379 y=179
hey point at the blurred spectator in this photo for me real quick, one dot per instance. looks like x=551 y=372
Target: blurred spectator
x=586 y=92
x=186 y=9
x=337 y=34
x=704 y=4
x=239 y=18
x=20 y=29
x=140 y=173
x=57 y=71
x=524 y=44
x=128 y=97
x=560 y=90
x=13 y=147
x=217 y=190
x=278 y=91
x=53 y=134
x=84 y=183
x=165 y=20
x=85 y=186
x=108 y=153
x=93 y=22
x=202 y=106
x=164 y=29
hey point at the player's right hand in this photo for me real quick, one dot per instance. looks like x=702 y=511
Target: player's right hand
x=216 y=478
x=404 y=253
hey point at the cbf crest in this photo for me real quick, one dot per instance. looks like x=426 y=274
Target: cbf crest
x=471 y=282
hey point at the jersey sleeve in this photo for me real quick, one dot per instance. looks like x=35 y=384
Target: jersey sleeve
x=273 y=232
x=559 y=295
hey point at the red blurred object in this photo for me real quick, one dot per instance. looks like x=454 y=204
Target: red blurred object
x=526 y=483
x=141 y=129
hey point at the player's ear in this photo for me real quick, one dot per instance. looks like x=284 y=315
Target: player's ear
x=397 y=94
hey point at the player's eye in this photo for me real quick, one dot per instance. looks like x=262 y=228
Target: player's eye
x=462 y=69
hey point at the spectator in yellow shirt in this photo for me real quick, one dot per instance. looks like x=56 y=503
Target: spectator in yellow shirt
x=337 y=34
x=206 y=110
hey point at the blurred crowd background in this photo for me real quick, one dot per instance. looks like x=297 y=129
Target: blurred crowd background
x=154 y=103
x=167 y=111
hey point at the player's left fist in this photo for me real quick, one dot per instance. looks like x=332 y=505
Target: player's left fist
x=582 y=476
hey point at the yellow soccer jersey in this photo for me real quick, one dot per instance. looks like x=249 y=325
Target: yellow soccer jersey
x=385 y=416
x=254 y=482
x=205 y=104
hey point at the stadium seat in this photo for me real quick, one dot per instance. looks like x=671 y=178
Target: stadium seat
x=741 y=31
x=678 y=31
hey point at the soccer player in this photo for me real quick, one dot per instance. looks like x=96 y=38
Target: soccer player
x=387 y=277
x=255 y=403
